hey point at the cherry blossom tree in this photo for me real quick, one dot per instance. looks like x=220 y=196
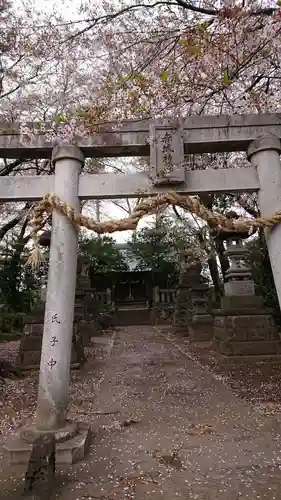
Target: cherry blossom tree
x=178 y=57
x=122 y=59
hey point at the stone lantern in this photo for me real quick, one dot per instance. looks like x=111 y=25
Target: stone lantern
x=242 y=326
x=238 y=277
x=192 y=314
x=237 y=253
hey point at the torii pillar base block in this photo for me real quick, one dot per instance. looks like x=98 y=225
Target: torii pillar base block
x=72 y=444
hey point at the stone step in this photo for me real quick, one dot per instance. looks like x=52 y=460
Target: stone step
x=256 y=347
x=31 y=343
x=127 y=317
x=130 y=305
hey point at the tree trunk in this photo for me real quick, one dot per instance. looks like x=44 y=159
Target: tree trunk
x=208 y=200
x=223 y=260
x=20 y=243
x=12 y=223
x=213 y=267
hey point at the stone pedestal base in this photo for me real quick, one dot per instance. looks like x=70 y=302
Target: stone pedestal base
x=87 y=330
x=254 y=348
x=201 y=328
x=246 y=332
x=192 y=315
x=240 y=288
x=69 y=431
x=181 y=330
x=235 y=360
x=234 y=303
x=72 y=444
x=30 y=348
x=182 y=314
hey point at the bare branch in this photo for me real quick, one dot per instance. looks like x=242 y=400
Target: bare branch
x=176 y=3
x=12 y=223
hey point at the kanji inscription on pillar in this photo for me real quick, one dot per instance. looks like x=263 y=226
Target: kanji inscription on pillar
x=54 y=341
x=55 y=318
x=51 y=363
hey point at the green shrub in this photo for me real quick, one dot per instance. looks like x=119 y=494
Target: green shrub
x=10 y=323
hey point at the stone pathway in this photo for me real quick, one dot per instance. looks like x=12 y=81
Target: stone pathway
x=168 y=429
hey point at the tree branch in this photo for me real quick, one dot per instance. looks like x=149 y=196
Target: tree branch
x=9 y=167
x=194 y=8
x=176 y=3
x=12 y=223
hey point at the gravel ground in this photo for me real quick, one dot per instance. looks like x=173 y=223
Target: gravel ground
x=167 y=426
x=257 y=382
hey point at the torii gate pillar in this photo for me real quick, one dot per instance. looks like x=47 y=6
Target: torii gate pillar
x=264 y=154
x=58 y=324
x=72 y=438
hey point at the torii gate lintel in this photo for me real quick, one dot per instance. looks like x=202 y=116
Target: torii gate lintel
x=201 y=134
x=111 y=186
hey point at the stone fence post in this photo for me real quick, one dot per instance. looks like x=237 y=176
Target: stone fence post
x=156 y=297
x=108 y=296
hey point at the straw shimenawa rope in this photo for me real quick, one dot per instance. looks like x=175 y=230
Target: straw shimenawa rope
x=149 y=206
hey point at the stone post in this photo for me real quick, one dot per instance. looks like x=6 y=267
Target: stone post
x=113 y=297
x=183 y=306
x=200 y=327
x=108 y=296
x=264 y=154
x=58 y=325
x=156 y=298
x=85 y=310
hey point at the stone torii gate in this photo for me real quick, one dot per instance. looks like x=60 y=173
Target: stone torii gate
x=166 y=143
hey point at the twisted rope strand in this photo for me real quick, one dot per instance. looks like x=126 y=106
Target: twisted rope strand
x=150 y=206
